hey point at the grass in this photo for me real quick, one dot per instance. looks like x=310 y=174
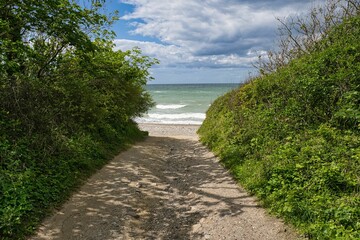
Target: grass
x=292 y=137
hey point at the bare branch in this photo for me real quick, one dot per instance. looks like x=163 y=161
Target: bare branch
x=300 y=35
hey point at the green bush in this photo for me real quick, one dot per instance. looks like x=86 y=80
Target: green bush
x=67 y=101
x=292 y=137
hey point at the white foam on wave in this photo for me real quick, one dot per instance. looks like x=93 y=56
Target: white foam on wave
x=170 y=106
x=180 y=118
x=191 y=116
x=181 y=122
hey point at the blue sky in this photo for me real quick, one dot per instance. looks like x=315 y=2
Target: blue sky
x=202 y=41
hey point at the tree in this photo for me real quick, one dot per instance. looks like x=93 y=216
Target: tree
x=299 y=35
x=67 y=101
x=34 y=37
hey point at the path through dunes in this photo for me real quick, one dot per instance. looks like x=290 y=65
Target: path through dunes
x=163 y=188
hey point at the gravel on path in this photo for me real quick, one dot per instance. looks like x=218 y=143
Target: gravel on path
x=166 y=187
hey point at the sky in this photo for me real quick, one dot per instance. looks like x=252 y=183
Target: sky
x=202 y=41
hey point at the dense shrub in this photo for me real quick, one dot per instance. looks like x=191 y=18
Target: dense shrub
x=292 y=136
x=67 y=101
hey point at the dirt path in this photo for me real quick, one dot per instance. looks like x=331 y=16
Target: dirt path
x=163 y=188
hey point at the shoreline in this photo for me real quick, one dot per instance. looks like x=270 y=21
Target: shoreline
x=184 y=131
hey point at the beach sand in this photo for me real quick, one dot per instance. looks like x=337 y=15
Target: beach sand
x=168 y=186
x=167 y=130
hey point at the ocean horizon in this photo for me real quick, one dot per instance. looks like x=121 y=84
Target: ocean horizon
x=183 y=103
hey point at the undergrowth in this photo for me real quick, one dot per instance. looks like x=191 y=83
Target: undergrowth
x=292 y=137
x=33 y=184
x=67 y=100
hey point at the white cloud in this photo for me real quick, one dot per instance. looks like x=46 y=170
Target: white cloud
x=166 y=53
x=175 y=56
x=212 y=26
x=199 y=75
x=207 y=33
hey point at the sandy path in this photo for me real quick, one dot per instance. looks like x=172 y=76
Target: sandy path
x=163 y=188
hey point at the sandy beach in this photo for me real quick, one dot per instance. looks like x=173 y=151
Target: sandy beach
x=171 y=130
x=166 y=187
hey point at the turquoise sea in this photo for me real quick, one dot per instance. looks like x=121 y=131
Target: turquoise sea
x=182 y=103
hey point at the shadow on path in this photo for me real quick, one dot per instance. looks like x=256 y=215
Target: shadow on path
x=162 y=188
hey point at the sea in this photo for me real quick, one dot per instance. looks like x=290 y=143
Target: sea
x=182 y=103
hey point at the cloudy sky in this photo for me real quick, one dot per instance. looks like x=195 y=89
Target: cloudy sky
x=202 y=41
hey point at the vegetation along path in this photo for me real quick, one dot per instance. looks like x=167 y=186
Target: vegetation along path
x=166 y=187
